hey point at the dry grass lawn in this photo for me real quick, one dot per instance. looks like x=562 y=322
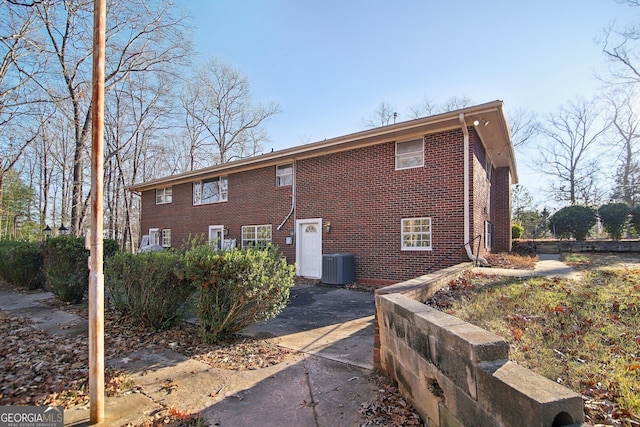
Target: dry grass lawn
x=583 y=334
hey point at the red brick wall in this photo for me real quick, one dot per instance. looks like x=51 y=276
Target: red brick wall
x=365 y=199
x=253 y=199
x=491 y=200
x=360 y=193
x=501 y=203
x=481 y=193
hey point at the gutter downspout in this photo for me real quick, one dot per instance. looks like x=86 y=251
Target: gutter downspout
x=293 y=196
x=467 y=219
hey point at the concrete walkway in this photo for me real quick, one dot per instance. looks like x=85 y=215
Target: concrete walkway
x=323 y=384
x=549 y=265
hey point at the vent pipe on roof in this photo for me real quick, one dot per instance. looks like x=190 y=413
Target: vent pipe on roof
x=467 y=216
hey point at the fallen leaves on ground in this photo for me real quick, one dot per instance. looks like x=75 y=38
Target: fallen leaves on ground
x=510 y=261
x=389 y=409
x=38 y=369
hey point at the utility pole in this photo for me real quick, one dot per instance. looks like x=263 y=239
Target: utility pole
x=96 y=275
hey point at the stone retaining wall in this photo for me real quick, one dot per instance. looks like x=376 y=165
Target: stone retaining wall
x=455 y=373
x=556 y=246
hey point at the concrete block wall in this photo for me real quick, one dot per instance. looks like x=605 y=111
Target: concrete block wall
x=457 y=374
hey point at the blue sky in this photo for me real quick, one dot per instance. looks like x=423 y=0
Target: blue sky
x=330 y=63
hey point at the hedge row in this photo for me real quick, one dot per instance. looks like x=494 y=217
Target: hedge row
x=59 y=264
x=577 y=221
x=231 y=289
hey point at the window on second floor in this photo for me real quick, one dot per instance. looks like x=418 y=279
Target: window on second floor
x=210 y=191
x=256 y=236
x=284 y=175
x=410 y=154
x=164 y=195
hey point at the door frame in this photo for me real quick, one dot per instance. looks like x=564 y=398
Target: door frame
x=299 y=223
x=155 y=236
x=217 y=228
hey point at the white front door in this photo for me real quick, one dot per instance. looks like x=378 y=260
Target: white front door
x=216 y=234
x=309 y=247
x=154 y=236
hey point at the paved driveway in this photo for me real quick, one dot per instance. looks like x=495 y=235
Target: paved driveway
x=327 y=321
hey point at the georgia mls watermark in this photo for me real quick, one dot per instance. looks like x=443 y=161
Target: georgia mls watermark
x=31 y=416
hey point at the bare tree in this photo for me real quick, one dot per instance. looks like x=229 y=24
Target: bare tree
x=384 y=115
x=17 y=68
x=621 y=47
x=142 y=37
x=426 y=108
x=194 y=135
x=455 y=103
x=571 y=136
x=137 y=113
x=524 y=127
x=222 y=121
x=625 y=125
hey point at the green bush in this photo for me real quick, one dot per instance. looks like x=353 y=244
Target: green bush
x=635 y=218
x=150 y=287
x=237 y=288
x=573 y=221
x=66 y=269
x=110 y=247
x=614 y=217
x=20 y=264
x=516 y=231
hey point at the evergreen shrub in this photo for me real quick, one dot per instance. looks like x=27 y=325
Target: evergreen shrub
x=237 y=288
x=614 y=218
x=21 y=264
x=573 y=221
x=150 y=287
x=66 y=269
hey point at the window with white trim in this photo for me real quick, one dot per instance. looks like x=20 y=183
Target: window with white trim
x=410 y=154
x=213 y=190
x=488 y=234
x=416 y=234
x=256 y=236
x=166 y=237
x=284 y=175
x=164 y=195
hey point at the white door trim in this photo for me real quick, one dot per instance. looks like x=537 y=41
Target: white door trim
x=216 y=229
x=154 y=236
x=299 y=233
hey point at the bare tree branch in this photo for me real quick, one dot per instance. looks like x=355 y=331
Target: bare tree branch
x=568 y=153
x=221 y=115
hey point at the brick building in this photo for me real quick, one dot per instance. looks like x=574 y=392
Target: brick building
x=400 y=198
